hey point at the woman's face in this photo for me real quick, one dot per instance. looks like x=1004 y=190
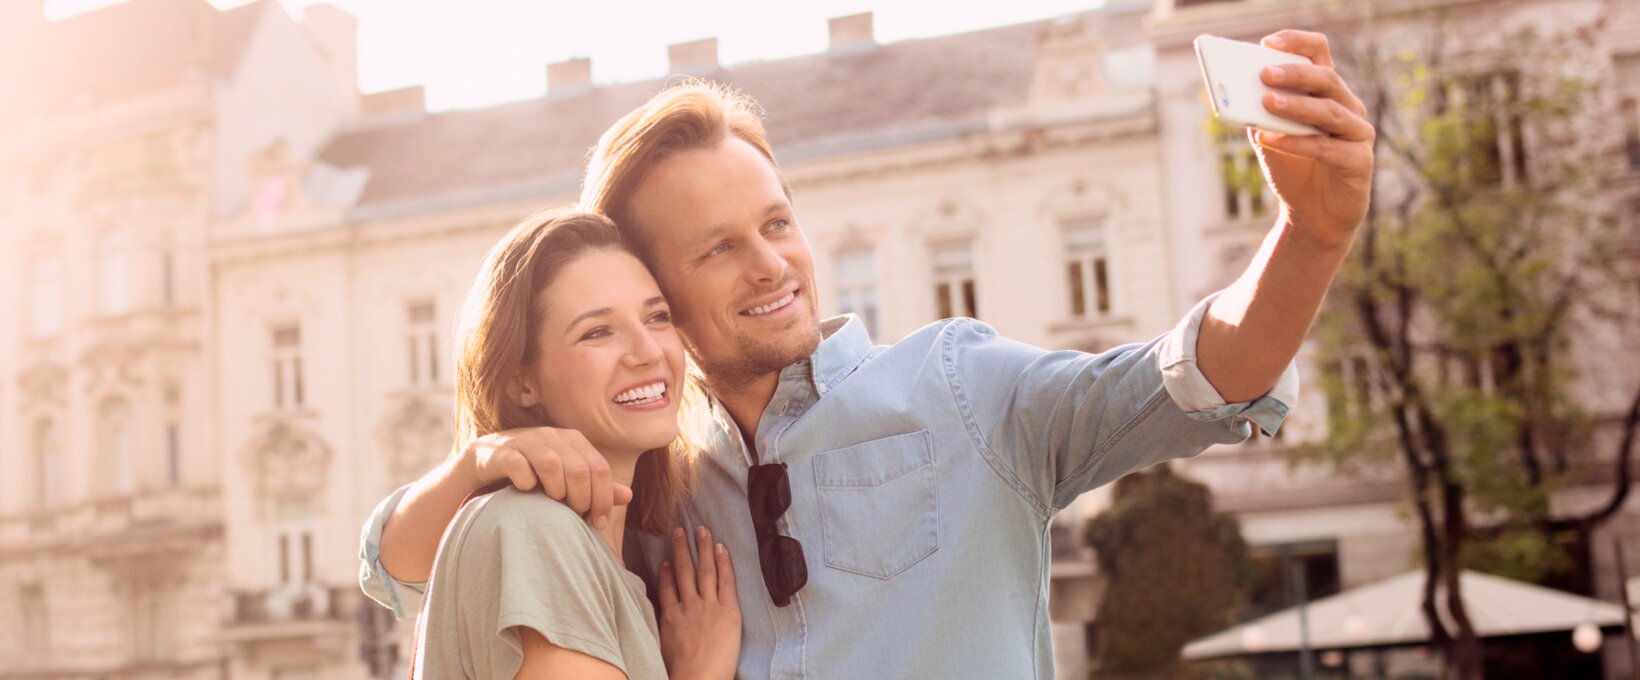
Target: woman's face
x=610 y=364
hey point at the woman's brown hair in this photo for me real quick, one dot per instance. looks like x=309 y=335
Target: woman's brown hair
x=499 y=325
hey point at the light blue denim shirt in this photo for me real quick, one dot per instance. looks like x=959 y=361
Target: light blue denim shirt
x=924 y=476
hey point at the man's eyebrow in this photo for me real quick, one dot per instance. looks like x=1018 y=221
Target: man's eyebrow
x=712 y=234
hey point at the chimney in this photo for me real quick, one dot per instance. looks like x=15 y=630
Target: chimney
x=405 y=101
x=851 y=33
x=693 y=58
x=571 y=76
x=335 y=34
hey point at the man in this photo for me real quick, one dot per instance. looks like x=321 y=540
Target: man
x=921 y=476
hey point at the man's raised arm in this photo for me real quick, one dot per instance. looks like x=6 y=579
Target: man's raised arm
x=1254 y=329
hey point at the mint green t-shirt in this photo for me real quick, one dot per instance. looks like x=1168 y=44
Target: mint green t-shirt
x=514 y=558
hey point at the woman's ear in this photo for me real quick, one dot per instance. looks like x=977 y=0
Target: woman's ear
x=520 y=391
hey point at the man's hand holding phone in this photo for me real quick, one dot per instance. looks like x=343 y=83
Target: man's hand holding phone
x=1323 y=181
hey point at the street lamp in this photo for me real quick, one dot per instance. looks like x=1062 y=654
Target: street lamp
x=1586 y=638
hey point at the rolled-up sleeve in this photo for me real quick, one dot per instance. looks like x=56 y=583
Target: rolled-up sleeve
x=403 y=598
x=1190 y=390
x=1057 y=424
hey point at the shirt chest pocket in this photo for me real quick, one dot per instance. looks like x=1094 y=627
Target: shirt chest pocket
x=879 y=504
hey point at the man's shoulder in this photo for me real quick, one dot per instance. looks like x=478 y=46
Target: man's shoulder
x=944 y=331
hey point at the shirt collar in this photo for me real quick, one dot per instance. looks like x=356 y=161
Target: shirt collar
x=843 y=346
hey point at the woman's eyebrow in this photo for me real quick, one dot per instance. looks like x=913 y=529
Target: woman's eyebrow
x=601 y=311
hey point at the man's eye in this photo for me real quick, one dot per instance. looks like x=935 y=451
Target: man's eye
x=595 y=333
x=779 y=225
x=718 y=249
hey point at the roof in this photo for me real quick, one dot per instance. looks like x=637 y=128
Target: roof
x=130 y=49
x=1388 y=613
x=816 y=104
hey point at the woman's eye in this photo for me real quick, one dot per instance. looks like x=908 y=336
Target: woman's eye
x=661 y=317
x=595 y=333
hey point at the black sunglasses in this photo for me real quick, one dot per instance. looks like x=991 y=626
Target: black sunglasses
x=770 y=494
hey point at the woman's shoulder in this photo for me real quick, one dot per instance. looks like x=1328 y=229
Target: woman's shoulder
x=510 y=516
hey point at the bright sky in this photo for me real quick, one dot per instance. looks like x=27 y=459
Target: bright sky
x=471 y=53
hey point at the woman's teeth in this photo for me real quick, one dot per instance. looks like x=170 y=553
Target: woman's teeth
x=777 y=304
x=642 y=395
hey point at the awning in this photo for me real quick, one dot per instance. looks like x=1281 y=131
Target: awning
x=1387 y=614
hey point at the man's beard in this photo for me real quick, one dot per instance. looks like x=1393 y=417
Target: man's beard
x=758 y=357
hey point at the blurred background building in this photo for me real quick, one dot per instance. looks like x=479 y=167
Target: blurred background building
x=233 y=279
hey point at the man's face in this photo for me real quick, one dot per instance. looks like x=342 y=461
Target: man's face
x=726 y=249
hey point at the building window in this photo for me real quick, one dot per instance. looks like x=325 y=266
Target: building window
x=173 y=454
x=113 y=273
x=1087 y=268
x=1491 y=104
x=167 y=276
x=46 y=298
x=1244 y=186
x=954 y=279
x=36 y=617
x=1631 y=132
x=422 y=328
x=1626 y=73
x=1286 y=574
x=293 y=541
x=150 y=639
x=48 y=466
x=117 y=457
x=287 y=367
x=856 y=286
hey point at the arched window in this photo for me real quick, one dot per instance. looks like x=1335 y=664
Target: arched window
x=116 y=468
x=47 y=465
x=114 y=273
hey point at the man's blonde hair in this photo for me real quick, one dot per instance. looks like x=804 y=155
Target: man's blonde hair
x=692 y=114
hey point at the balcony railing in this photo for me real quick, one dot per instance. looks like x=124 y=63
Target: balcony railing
x=312 y=602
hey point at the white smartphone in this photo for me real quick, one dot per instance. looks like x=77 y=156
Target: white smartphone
x=1230 y=69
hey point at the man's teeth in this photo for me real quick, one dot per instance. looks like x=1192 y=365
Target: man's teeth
x=777 y=304
x=642 y=395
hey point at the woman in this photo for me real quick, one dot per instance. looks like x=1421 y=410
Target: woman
x=564 y=328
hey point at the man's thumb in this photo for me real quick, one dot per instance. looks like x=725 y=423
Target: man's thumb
x=623 y=494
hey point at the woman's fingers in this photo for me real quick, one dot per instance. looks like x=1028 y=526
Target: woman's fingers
x=707 y=578
x=685 y=567
x=668 y=588
x=726 y=576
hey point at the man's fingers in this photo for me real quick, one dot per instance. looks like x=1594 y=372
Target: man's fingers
x=1321 y=81
x=685 y=567
x=707 y=579
x=1327 y=114
x=600 y=491
x=623 y=494
x=518 y=471
x=726 y=576
x=549 y=468
x=1305 y=43
x=668 y=588
x=1334 y=153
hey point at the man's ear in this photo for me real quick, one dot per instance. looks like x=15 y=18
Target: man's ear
x=521 y=391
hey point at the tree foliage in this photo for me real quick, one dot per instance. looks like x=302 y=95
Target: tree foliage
x=1175 y=568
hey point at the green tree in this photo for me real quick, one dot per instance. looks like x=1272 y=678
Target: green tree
x=1447 y=341
x=1175 y=568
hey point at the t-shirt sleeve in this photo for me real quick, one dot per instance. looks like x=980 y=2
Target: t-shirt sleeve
x=547 y=576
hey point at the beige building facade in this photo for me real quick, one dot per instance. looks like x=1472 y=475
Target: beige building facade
x=235 y=279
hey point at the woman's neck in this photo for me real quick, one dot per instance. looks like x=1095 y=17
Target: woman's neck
x=622 y=467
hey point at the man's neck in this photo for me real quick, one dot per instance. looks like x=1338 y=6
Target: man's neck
x=746 y=402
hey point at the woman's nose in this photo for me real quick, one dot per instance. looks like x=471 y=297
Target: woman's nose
x=644 y=350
